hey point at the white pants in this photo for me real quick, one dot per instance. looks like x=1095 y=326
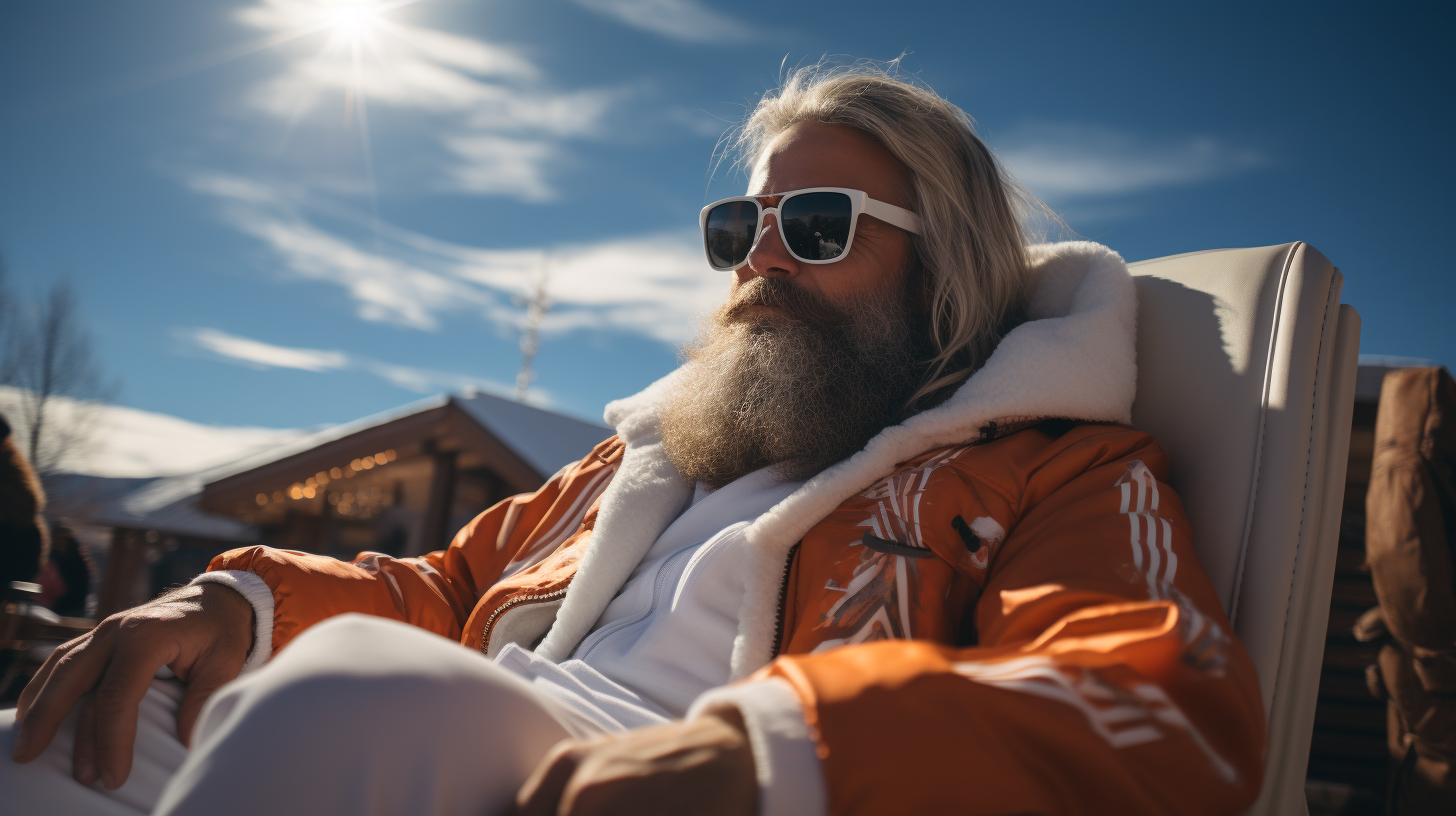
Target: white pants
x=359 y=715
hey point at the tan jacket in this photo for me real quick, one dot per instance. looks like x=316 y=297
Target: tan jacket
x=1410 y=545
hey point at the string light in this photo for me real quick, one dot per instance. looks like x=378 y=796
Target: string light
x=313 y=485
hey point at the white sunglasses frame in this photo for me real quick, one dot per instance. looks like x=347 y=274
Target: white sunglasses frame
x=859 y=202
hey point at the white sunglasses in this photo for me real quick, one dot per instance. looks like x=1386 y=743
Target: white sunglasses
x=816 y=224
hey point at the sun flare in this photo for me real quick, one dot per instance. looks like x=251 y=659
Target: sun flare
x=353 y=21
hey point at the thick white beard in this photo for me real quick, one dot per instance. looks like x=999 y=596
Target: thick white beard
x=768 y=389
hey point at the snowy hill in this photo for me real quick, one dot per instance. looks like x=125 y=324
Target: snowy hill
x=131 y=443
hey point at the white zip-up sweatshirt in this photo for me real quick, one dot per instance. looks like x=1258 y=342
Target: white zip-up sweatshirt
x=662 y=648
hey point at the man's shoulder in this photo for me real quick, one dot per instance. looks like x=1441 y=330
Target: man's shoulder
x=598 y=464
x=1010 y=456
x=1049 y=439
x=608 y=452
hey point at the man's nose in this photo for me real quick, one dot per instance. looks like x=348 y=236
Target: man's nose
x=769 y=258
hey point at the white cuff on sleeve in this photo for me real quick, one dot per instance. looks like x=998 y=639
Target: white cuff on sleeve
x=260 y=596
x=790 y=779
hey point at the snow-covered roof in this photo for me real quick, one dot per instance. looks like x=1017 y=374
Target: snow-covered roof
x=545 y=439
x=171 y=504
x=329 y=434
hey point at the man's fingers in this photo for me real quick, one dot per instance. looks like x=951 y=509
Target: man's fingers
x=71 y=675
x=541 y=793
x=649 y=795
x=117 y=699
x=200 y=688
x=701 y=766
x=83 y=757
x=32 y=688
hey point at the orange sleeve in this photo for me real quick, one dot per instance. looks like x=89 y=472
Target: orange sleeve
x=438 y=590
x=1104 y=680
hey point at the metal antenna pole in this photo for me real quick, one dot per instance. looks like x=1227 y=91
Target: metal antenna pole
x=536 y=309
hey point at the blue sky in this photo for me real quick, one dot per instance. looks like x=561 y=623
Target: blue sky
x=264 y=231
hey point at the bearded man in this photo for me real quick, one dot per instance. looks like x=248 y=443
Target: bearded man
x=884 y=544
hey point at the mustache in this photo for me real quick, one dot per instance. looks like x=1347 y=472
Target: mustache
x=792 y=300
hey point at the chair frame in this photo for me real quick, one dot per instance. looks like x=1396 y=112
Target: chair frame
x=1273 y=558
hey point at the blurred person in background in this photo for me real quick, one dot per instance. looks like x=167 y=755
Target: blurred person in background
x=23 y=532
x=23 y=543
x=885 y=543
x=65 y=580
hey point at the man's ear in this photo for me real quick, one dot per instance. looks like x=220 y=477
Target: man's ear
x=919 y=283
x=920 y=299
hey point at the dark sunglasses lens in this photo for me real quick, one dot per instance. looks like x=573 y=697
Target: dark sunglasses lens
x=729 y=232
x=816 y=225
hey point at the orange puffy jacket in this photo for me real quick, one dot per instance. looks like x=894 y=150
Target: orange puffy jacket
x=1022 y=625
x=1011 y=621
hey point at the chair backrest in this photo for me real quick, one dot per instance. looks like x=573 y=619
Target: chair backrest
x=1246 y=377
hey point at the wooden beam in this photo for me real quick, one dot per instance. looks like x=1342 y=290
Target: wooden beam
x=437 y=512
x=518 y=475
x=123 y=562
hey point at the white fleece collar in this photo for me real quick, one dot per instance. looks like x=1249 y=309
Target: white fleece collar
x=1074 y=357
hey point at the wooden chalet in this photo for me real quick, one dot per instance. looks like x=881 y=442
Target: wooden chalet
x=401 y=483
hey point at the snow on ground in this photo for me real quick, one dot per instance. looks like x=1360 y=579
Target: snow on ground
x=131 y=443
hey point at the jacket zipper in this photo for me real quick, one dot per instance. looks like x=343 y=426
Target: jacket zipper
x=595 y=639
x=783 y=601
x=512 y=603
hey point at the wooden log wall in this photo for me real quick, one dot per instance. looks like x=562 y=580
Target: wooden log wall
x=1349 y=745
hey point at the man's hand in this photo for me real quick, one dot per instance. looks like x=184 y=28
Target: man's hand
x=203 y=633
x=702 y=766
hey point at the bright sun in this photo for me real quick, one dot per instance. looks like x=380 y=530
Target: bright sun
x=353 y=21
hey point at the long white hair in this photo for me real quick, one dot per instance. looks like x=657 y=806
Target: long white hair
x=971 y=254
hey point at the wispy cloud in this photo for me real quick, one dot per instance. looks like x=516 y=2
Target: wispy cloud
x=384 y=288
x=258 y=354
x=264 y=355
x=652 y=285
x=483 y=120
x=1068 y=162
x=497 y=125
x=685 y=20
x=500 y=165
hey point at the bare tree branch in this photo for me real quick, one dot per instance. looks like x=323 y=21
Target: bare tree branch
x=47 y=356
x=10 y=335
